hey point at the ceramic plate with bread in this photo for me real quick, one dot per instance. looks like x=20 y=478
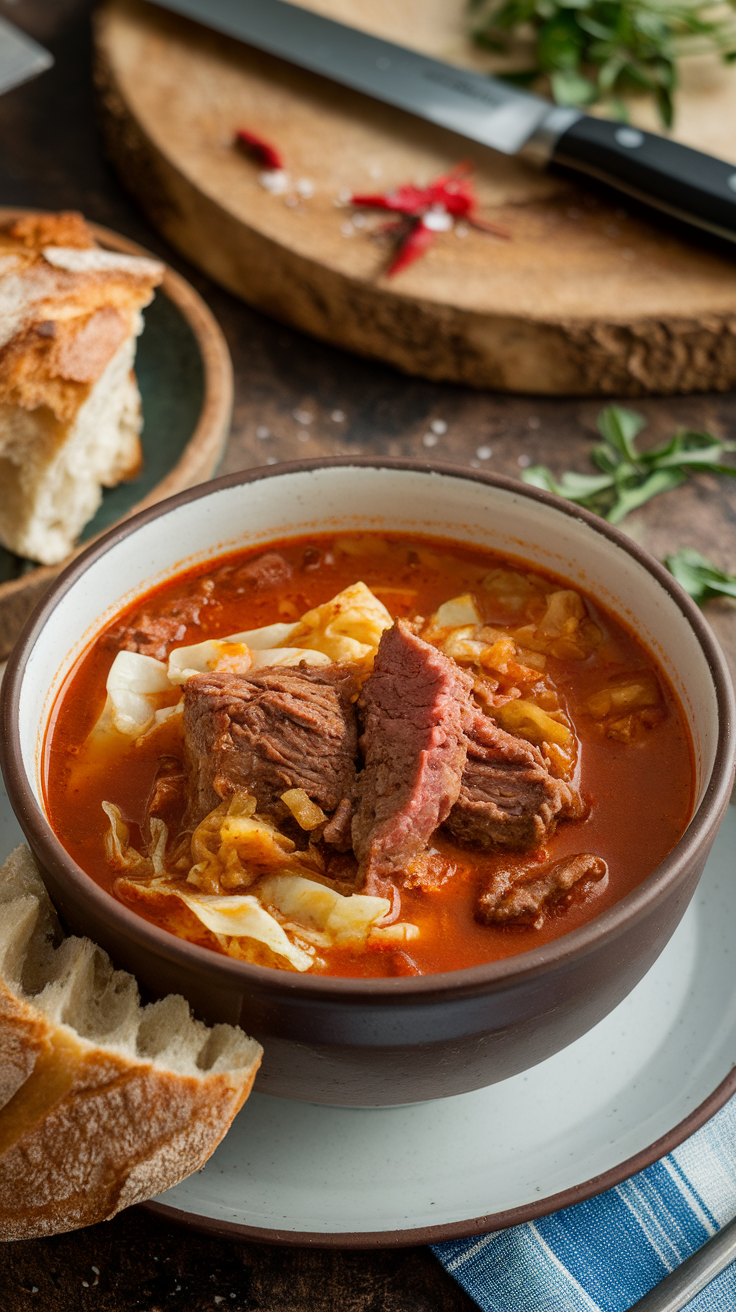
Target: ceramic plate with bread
x=96 y=420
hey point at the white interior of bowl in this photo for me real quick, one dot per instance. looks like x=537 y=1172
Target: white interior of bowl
x=354 y=497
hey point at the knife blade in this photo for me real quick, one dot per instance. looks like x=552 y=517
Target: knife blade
x=21 y=57
x=686 y=183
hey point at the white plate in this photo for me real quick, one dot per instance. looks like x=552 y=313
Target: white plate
x=617 y=1099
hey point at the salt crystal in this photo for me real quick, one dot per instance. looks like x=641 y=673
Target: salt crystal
x=430 y=439
x=303 y=435
x=524 y=462
x=461 y=230
x=305 y=187
x=347 y=229
x=533 y=422
x=338 y=416
x=344 y=195
x=358 y=220
x=262 y=431
x=475 y=464
x=438 y=426
x=271 y=460
x=375 y=171
x=291 y=202
x=484 y=452
x=274 y=180
x=303 y=416
x=437 y=219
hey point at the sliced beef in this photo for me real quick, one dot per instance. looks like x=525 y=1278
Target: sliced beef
x=514 y=899
x=508 y=798
x=274 y=729
x=415 y=704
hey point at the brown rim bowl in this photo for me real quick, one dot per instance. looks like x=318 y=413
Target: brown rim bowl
x=374 y=1042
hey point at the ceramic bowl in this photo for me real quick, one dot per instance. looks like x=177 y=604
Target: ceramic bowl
x=376 y=1042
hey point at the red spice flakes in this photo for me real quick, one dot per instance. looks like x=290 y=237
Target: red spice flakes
x=259 y=150
x=426 y=211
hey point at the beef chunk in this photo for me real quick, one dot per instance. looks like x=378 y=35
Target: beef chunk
x=155 y=632
x=508 y=798
x=168 y=796
x=513 y=899
x=274 y=729
x=267 y=571
x=337 y=831
x=416 y=704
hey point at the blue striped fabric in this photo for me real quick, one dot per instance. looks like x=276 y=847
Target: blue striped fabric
x=604 y=1254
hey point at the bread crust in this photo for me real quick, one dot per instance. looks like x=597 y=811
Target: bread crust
x=62 y=319
x=89 y=1126
x=70 y=412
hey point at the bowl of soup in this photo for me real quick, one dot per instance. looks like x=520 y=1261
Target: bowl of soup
x=410 y=770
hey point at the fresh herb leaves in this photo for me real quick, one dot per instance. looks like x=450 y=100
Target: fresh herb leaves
x=700 y=576
x=600 y=50
x=630 y=477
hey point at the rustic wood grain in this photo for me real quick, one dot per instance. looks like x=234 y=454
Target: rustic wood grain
x=52 y=159
x=143 y=1266
x=586 y=297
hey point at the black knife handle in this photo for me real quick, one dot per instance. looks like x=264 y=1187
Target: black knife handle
x=684 y=182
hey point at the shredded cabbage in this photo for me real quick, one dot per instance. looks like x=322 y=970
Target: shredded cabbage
x=344 y=919
x=213 y=654
x=134 y=684
x=244 y=917
x=458 y=610
x=289 y=656
x=347 y=628
x=529 y=721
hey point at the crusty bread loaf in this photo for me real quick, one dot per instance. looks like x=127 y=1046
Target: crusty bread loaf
x=70 y=413
x=103 y=1102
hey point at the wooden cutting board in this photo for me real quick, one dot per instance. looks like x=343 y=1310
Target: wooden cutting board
x=585 y=298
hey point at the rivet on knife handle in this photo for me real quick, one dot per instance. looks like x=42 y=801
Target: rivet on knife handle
x=695 y=187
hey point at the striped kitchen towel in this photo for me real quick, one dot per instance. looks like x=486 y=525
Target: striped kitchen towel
x=604 y=1254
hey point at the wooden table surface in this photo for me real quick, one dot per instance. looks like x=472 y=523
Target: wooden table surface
x=50 y=157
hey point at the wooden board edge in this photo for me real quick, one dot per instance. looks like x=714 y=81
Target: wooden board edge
x=505 y=353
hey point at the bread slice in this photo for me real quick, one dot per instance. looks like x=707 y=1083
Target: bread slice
x=103 y=1102
x=70 y=413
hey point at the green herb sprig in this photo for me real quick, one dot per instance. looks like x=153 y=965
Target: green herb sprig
x=630 y=477
x=700 y=576
x=594 y=51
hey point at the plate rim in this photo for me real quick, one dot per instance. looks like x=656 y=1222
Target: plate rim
x=475 y=1226
x=207 y=442
x=472 y=1227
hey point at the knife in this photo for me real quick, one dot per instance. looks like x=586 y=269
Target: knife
x=686 y=183
x=21 y=57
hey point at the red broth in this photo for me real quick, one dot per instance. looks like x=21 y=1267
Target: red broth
x=639 y=792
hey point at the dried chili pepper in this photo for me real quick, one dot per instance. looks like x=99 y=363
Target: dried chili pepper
x=259 y=150
x=412 y=246
x=427 y=211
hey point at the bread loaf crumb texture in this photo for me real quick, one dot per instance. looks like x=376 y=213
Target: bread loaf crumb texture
x=104 y=1102
x=70 y=412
